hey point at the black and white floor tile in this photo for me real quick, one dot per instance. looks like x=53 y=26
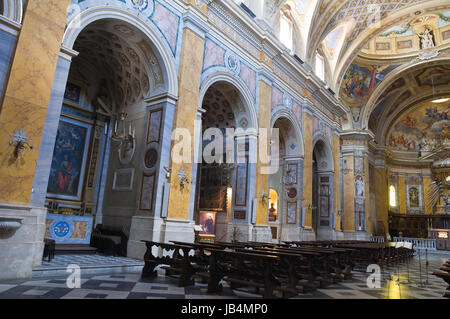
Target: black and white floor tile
x=398 y=282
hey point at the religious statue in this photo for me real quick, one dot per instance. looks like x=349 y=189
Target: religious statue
x=426 y=39
x=272 y=213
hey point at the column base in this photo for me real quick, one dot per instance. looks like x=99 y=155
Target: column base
x=261 y=233
x=22 y=231
x=356 y=235
x=306 y=234
x=143 y=228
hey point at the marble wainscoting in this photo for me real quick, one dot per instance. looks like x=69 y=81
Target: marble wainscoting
x=21 y=248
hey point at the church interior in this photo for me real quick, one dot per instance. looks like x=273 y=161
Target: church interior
x=282 y=147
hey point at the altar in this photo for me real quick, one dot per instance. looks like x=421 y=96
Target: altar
x=69 y=229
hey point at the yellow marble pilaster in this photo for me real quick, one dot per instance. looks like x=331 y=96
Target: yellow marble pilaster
x=337 y=179
x=426 y=195
x=27 y=94
x=367 y=182
x=381 y=199
x=307 y=169
x=262 y=180
x=349 y=194
x=401 y=195
x=186 y=114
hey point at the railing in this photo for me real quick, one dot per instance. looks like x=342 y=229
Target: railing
x=377 y=239
x=418 y=243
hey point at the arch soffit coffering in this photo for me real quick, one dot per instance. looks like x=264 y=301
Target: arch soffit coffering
x=239 y=85
x=162 y=50
x=295 y=126
x=320 y=138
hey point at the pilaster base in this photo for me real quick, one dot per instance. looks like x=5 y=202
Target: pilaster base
x=357 y=235
x=307 y=234
x=21 y=248
x=143 y=228
x=262 y=233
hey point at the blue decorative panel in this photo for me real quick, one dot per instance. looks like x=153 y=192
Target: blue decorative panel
x=65 y=229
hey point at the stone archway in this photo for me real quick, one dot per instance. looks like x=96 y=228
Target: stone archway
x=287 y=181
x=123 y=66
x=224 y=184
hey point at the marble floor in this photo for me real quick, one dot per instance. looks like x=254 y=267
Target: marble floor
x=412 y=281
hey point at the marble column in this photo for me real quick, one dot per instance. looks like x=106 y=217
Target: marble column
x=179 y=224
x=356 y=184
x=307 y=168
x=261 y=229
x=25 y=107
x=381 y=194
x=336 y=180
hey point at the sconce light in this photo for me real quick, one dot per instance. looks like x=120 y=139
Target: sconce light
x=20 y=142
x=126 y=142
x=168 y=170
x=264 y=197
x=183 y=179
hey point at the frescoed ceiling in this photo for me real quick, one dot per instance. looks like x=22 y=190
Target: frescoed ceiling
x=366 y=42
x=399 y=103
x=120 y=55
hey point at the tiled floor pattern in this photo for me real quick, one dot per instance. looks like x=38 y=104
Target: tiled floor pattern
x=394 y=284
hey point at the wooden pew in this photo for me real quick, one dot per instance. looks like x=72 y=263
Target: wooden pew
x=444 y=274
x=177 y=264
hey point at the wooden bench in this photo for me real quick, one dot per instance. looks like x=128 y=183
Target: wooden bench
x=177 y=264
x=444 y=274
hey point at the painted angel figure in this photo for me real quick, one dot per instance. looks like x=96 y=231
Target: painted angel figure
x=426 y=39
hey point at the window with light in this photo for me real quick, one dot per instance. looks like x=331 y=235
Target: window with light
x=286 y=32
x=392 y=196
x=320 y=67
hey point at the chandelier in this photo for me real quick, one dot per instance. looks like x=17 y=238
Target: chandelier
x=125 y=142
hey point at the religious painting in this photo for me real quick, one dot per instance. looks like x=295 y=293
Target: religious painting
x=240 y=198
x=292 y=174
x=291 y=216
x=359 y=82
x=413 y=197
x=72 y=94
x=69 y=160
x=420 y=129
x=439 y=75
x=324 y=200
x=207 y=222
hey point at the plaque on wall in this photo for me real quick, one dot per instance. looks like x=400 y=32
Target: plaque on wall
x=239 y=214
x=154 y=126
x=123 y=179
x=147 y=192
x=292 y=173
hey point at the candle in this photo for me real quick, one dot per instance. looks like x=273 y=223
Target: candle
x=115 y=126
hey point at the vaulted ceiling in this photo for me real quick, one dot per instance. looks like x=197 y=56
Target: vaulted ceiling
x=374 y=53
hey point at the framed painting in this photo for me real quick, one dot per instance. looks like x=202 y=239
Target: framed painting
x=69 y=160
x=73 y=94
x=291 y=217
x=292 y=173
x=207 y=222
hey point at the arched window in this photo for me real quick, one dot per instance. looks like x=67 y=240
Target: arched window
x=392 y=196
x=286 y=31
x=320 y=67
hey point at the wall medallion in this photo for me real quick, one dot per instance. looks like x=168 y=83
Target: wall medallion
x=151 y=158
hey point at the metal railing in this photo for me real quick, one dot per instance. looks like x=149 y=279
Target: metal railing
x=418 y=243
x=377 y=239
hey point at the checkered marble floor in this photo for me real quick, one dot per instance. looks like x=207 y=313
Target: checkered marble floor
x=130 y=285
x=94 y=260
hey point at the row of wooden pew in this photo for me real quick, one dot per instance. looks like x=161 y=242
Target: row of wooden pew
x=444 y=273
x=273 y=270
